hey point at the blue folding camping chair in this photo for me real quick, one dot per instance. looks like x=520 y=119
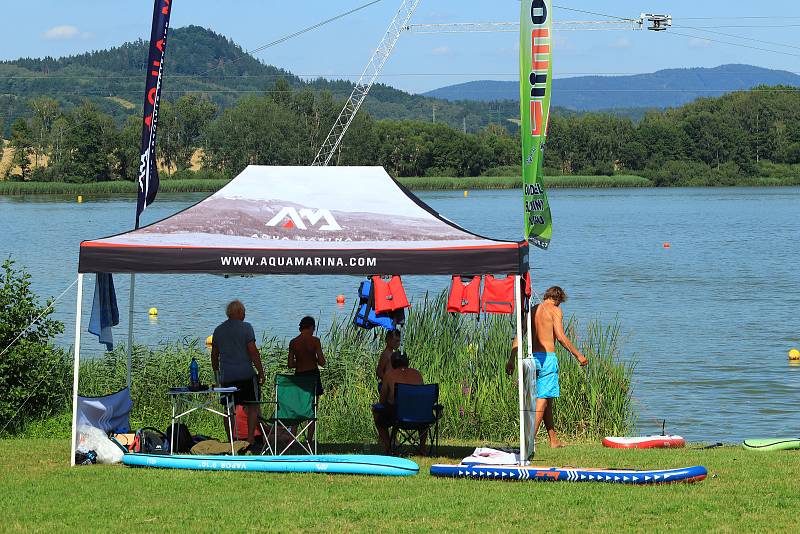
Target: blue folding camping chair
x=417 y=411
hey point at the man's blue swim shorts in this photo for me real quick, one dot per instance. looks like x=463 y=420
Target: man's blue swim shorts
x=547 y=375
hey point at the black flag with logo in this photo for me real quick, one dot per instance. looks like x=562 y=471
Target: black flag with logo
x=148 y=172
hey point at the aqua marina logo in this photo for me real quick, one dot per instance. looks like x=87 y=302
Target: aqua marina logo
x=289 y=217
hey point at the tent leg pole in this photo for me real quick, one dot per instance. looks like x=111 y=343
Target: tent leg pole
x=76 y=368
x=529 y=354
x=523 y=454
x=130 y=328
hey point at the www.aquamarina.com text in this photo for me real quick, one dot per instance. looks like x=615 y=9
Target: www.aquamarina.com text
x=288 y=261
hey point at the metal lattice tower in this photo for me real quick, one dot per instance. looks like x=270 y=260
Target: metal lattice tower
x=364 y=84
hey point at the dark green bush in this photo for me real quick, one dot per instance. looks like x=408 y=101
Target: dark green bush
x=33 y=372
x=507 y=170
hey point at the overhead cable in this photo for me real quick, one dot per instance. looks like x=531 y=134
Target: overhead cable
x=731 y=44
x=296 y=34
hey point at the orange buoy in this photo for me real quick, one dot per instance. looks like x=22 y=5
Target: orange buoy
x=666 y=245
x=340 y=299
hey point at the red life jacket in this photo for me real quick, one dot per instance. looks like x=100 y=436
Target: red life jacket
x=498 y=294
x=389 y=296
x=527 y=280
x=465 y=298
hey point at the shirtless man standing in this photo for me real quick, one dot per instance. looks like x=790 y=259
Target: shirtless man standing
x=547 y=327
x=306 y=357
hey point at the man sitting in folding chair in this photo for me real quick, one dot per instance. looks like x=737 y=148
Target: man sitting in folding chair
x=385 y=413
x=295 y=413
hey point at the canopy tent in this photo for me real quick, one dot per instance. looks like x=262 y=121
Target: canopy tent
x=303 y=220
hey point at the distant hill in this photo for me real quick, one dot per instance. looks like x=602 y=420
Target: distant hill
x=661 y=89
x=202 y=61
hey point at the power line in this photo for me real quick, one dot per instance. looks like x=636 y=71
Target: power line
x=593 y=13
x=297 y=33
x=328 y=75
x=751 y=27
x=779 y=17
x=738 y=37
x=732 y=44
x=564 y=90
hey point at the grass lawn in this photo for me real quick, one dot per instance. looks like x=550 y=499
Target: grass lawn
x=745 y=491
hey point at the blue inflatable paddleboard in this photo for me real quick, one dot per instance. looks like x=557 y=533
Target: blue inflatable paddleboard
x=351 y=464
x=562 y=474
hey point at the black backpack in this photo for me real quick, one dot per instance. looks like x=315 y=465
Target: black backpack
x=183 y=438
x=150 y=441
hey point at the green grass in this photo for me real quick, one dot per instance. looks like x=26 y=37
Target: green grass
x=101 y=189
x=106 y=188
x=745 y=492
x=513 y=182
x=210 y=185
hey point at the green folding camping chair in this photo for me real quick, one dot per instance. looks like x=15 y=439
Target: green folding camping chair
x=295 y=411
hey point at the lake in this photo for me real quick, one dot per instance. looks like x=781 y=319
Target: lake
x=709 y=319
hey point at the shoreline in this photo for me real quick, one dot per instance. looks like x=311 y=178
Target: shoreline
x=99 y=189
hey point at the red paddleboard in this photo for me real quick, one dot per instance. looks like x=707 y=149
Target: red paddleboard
x=645 y=442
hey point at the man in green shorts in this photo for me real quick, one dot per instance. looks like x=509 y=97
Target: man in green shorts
x=547 y=328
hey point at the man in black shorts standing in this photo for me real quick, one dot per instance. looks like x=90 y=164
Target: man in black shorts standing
x=233 y=356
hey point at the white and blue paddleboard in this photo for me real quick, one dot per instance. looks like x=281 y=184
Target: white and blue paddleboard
x=563 y=474
x=351 y=464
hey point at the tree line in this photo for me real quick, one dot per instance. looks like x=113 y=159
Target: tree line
x=712 y=139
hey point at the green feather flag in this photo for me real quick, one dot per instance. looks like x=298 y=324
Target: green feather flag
x=536 y=73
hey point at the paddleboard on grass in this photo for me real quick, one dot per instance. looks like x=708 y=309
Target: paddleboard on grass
x=644 y=442
x=771 y=444
x=351 y=464
x=564 y=474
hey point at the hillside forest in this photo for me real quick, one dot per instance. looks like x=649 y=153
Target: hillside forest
x=74 y=119
x=712 y=141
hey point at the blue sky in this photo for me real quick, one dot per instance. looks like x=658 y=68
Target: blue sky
x=422 y=62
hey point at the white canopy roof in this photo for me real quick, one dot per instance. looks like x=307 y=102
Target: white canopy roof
x=306 y=220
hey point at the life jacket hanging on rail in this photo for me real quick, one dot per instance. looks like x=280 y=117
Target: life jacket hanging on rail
x=465 y=298
x=389 y=295
x=498 y=294
x=366 y=317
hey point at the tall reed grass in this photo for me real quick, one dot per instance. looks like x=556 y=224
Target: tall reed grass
x=107 y=188
x=464 y=355
x=434 y=183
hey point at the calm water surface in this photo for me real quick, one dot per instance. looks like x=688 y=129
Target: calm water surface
x=710 y=319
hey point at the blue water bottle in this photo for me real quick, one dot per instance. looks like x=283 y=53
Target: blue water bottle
x=194 y=374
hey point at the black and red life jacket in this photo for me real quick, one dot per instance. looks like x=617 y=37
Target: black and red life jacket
x=389 y=295
x=465 y=298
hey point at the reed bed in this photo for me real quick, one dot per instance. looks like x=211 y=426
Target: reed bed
x=464 y=355
x=106 y=188
x=435 y=183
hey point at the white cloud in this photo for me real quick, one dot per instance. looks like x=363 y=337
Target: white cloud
x=63 y=32
x=441 y=50
x=696 y=42
x=622 y=42
x=562 y=43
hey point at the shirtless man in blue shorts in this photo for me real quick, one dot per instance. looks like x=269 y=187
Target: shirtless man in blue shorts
x=547 y=328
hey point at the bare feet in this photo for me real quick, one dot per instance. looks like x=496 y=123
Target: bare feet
x=557 y=444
